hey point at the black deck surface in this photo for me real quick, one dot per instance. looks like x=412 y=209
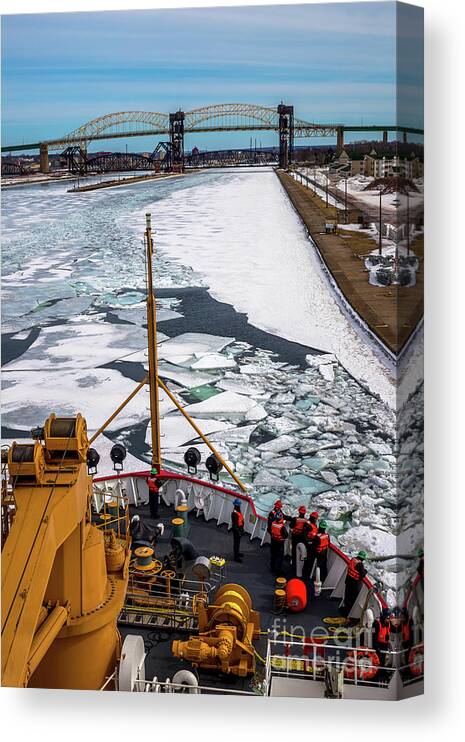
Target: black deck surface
x=253 y=574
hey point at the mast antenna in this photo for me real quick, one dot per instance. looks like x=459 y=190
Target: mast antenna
x=152 y=351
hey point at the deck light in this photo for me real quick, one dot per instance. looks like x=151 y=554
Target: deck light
x=214 y=467
x=37 y=434
x=93 y=457
x=117 y=455
x=192 y=460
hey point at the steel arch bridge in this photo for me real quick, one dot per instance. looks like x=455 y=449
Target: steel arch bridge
x=220 y=117
x=214 y=118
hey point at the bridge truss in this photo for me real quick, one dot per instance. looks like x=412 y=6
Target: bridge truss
x=12 y=168
x=79 y=162
x=230 y=158
x=222 y=117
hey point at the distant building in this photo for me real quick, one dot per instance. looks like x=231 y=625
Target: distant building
x=382 y=166
x=378 y=163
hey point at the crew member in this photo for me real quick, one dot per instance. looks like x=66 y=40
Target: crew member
x=298 y=526
x=381 y=635
x=279 y=535
x=421 y=566
x=275 y=514
x=142 y=534
x=396 y=621
x=311 y=531
x=355 y=573
x=407 y=629
x=154 y=493
x=322 y=542
x=237 y=520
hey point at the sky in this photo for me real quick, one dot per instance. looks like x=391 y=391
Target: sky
x=334 y=63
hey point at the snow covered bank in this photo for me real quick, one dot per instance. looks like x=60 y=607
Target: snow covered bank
x=251 y=249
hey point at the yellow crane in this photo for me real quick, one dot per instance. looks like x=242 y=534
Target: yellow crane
x=61 y=596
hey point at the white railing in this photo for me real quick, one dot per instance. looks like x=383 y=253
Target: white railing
x=308 y=659
x=167 y=686
x=140 y=685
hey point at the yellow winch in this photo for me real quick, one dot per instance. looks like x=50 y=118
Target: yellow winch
x=227 y=629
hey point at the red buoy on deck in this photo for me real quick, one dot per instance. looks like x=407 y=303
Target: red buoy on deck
x=296 y=595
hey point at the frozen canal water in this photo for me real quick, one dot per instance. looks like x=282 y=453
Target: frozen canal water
x=319 y=430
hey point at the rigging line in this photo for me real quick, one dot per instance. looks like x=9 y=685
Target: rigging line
x=119 y=409
x=199 y=432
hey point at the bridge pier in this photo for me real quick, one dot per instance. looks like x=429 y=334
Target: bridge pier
x=385 y=137
x=177 y=140
x=286 y=135
x=340 y=140
x=44 y=163
x=404 y=137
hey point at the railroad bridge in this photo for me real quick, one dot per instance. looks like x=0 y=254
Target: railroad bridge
x=79 y=163
x=223 y=117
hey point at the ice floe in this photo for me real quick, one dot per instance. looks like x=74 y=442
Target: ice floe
x=212 y=361
x=229 y=405
x=29 y=398
x=191 y=345
x=184 y=376
x=78 y=345
x=177 y=431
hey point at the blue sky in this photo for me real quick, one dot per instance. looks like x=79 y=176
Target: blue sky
x=334 y=63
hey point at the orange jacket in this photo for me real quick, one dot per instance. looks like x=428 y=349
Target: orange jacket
x=323 y=544
x=278 y=531
x=238 y=518
x=352 y=570
x=383 y=633
x=299 y=525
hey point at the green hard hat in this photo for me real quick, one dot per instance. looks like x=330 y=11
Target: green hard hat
x=362 y=554
x=323 y=524
x=153 y=471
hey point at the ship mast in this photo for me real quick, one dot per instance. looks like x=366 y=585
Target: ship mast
x=152 y=350
x=155 y=382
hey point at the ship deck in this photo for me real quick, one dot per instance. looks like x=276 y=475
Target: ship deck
x=253 y=574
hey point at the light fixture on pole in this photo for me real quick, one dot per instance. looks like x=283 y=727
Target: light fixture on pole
x=408 y=224
x=396 y=204
x=380 y=239
x=345 y=198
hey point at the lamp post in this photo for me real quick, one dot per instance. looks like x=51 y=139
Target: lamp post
x=408 y=224
x=327 y=183
x=380 y=239
x=396 y=203
x=345 y=198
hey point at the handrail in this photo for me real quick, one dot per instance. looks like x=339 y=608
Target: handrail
x=312 y=643
x=317 y=654
x=170 y=687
